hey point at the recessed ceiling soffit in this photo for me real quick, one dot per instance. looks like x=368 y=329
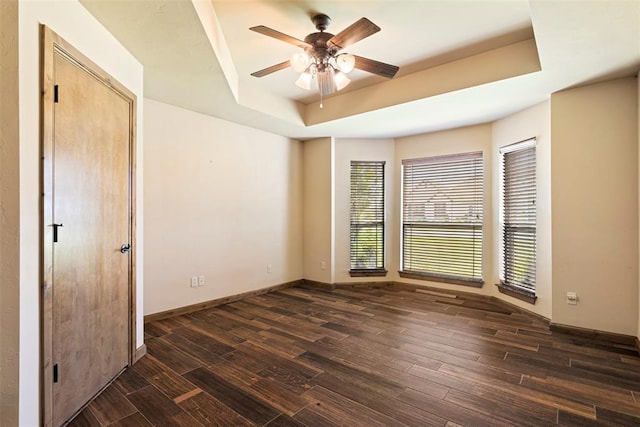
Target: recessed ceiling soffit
x=430 y=77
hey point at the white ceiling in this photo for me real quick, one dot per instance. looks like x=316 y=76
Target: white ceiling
x=461 y=61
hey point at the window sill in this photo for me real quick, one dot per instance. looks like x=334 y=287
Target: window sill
x=474 y=283
x=517 y=293
x=368 y=273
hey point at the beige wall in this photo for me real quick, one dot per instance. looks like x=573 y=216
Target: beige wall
x=594 y=167
x=326 y=198
x=638 y=103
x=221 y=200
x=72 y=22
x=319 y=211
x=488 y=138
x=598 y=107
x=532 y=122
x=10 y=218
x=462 y=140
x=347 y=150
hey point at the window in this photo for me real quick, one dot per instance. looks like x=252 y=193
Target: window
x=367 y=218
x=442 y=218
x=519 y=219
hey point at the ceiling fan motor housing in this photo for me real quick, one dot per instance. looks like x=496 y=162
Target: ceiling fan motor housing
x=321 y=21
x=319 y=48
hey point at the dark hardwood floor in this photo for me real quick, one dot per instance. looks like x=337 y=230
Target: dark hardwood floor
x=365 y=356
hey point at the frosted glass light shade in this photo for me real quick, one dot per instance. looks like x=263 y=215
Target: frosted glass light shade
x=299 y=61
x=304 y=81
x=341 y=80
x=345 y=62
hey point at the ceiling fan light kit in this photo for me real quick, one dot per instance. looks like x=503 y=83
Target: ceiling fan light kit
x=333 y=68
x=345 y=62
x=320 y=59
x=304 y=81
x=300 y=61
x=341 y=80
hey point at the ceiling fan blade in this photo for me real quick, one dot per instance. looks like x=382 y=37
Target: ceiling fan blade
x=271 y=69
x=280 y=36
x=355 y=32
x=376 y=67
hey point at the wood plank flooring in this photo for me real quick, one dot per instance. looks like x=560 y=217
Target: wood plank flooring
x=364 y=356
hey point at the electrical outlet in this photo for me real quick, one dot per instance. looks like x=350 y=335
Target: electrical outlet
x=200 y=280
x=269 y=268
x=194 y=282
x=323 y=265
x=572 y=298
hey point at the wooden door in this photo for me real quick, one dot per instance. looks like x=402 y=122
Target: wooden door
x=88 y=234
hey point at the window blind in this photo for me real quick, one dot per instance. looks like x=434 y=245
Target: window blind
x=519 y=216
x=442 y=216
x=367 y=215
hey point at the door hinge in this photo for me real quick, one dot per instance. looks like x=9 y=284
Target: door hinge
x=55 y=373
x=55 y=231
x=55 y=93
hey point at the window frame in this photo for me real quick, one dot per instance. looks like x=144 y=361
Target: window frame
x=474 y=162
x=518 y=234
x=378 y=211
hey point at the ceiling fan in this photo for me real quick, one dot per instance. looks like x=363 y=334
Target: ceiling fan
x=320 y=58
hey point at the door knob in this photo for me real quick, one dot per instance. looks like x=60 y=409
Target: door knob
x=125 y=248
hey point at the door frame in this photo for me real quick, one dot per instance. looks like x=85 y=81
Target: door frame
x=50 y=45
